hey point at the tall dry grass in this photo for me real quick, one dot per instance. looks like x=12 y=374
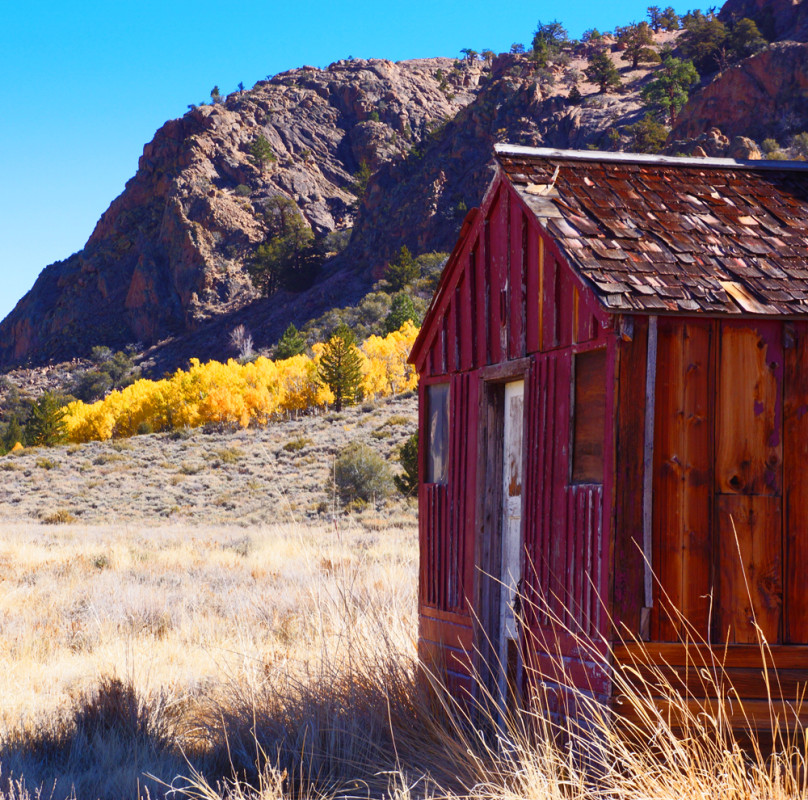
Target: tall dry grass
x=280 y=663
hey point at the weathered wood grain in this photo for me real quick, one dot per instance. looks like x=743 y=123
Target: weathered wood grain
x=795 y=484
x=682 y=469
x=589 y=417
x=629 y=565
x=750 y=593
x=749 y=449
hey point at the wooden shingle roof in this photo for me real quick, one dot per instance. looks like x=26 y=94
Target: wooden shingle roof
x=681 y=235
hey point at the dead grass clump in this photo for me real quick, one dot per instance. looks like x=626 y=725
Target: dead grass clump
x=99 y=747
x=227 y=455
x=47 y=463
x=59 y=517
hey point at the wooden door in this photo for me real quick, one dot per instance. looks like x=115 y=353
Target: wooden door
x=511 y=569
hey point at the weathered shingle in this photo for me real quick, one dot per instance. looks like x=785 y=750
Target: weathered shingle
x=666 y=234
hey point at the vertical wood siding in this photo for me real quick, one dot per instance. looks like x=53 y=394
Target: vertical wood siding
x=515 y=299
x=795 y=482
x=446 y=566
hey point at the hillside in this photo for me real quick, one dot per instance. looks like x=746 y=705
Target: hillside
x=165 y=266
x=262 y=475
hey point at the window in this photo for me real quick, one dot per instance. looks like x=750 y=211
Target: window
x=589 y=417
x=437 y=454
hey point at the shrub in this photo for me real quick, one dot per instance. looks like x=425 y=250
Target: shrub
x=360 y=473
x=800 y=144
x=297 y=444
x=59 y=517
x=242 y=190
x=407 y=483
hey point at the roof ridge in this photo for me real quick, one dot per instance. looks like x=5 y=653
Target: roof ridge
x=503 y=148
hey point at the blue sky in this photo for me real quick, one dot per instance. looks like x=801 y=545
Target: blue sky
x=86 y=85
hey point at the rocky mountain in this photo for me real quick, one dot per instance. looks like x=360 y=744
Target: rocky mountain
x=165 y=265
x=168 y=253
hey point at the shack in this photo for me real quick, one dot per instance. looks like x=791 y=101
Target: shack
x=614 y=420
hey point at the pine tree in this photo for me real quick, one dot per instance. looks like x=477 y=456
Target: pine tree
x=637 y=39
x=291 y=343
x=602 y=71
x=401 y=310
x=261 y=152
x=46 y=426
x=669 y=91
x=12 y=435
x=341 y=367
x=401 y=271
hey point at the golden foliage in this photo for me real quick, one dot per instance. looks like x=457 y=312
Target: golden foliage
x=238 y=394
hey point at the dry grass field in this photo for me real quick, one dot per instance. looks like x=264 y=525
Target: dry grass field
x=265 y=648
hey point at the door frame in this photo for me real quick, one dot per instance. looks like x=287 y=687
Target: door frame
x=488 y=529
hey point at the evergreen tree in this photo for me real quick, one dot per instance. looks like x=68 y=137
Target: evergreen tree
x=291 y=343
x=401 y=310
x=261 y=152
x=669 y=20
x=655 y=17
x=361 y=180
x=12 y=435
x=46 y=426
x=341 y=367
x=408 y=458
x=668 y=92
x=704 y=42
x=745 y=39
x=401 y=271
x=637 y=39
x=289 y=257
x=602 y=71
x=548 y=41
x=647 y=136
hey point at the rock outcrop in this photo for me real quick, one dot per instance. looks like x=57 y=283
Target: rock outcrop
x=165 y=265
x=765 y=95
x=168 y=254
x=777 y=19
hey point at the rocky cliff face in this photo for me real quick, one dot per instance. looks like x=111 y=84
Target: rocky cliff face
x=165 y=264
x=167 y=258
x=169 y=252
x=778 y=19
x=765 y=95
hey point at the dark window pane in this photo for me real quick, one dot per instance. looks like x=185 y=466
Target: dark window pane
x=438 y=432
x=589 y=417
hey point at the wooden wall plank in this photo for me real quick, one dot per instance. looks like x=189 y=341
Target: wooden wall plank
x=516 y=289
x=795 y=483
x=696 y=534
x=682 y=543
x=668 y=480
x=732 y=656
x=466 y=317
x=481 y=285
x=749 y=413
x=549 y=335
x=564 y=303
x=750 y=564
x=496 y=252
x=532 y=288
x=627 y=590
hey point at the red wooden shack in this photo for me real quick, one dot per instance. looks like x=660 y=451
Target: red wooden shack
x=613 y=397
